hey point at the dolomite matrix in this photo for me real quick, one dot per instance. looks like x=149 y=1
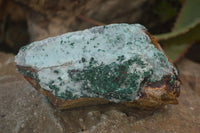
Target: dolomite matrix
x=119 y=63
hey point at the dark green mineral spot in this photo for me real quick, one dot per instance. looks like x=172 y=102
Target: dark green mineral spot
x=56 y=71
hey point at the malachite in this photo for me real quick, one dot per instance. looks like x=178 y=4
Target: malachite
x=113 y=62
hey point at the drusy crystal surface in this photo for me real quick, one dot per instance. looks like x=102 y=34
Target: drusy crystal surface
x=111 y=62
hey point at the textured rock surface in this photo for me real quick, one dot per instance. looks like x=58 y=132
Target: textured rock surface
x=49 y=18
x=115 y=62
x=24 y=110
x=189 y=74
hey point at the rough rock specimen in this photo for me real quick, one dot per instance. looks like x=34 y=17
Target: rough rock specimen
x=118 y=63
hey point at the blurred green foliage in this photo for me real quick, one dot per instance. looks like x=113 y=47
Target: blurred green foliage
x=185 y=32
x=165 y=11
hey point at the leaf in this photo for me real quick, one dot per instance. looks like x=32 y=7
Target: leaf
x=185 y=35
x=185 y=31
x=189 y=14
x=173 y=50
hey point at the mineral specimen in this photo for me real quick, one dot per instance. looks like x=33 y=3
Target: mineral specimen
x=119 y=63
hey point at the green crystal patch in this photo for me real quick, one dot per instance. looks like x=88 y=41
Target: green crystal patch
x=113 y=81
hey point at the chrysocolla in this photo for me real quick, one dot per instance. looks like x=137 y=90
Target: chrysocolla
x=113 y=62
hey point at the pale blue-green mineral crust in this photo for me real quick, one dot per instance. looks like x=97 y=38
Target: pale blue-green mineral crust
x=112 y=62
